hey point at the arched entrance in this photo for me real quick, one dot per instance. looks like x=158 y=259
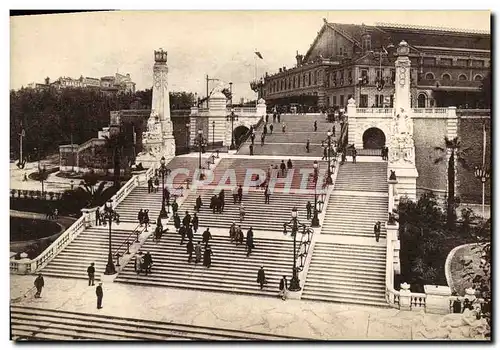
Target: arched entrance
x=373 y=138
x=421 y=101
x=239 y=133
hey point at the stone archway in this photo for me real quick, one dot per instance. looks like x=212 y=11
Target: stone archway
x=373 y=138
x=239 y=133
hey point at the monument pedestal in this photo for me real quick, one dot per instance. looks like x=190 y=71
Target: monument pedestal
x=407 y=181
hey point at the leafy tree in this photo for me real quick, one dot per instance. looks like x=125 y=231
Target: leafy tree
x=456 y=153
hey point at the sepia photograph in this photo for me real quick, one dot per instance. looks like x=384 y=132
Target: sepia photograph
x=242 y=175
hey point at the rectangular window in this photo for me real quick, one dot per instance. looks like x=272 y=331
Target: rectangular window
x=309 y=79
x=392 y=102
x=461 y=63
x=303 y=80
x=430 y=61
x=327 y=80
x=379 y=101
x=363 y=102
x=349 y=77
x=298 y=80
x=379 y=73
x=334 y=100
x=446 y=61
x=477 y=64
x=315 y=74
x=341 y=100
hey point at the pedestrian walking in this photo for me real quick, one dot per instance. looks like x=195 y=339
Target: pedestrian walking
x=91 y=274
x=234 y=192
x=232 y=231
x=242 y=212
x=278 y=117
x=183 y=232
x=139 y=262
x=190 y=248
x=249 y=241
x=283 y=288
x=150 y=185
x=267 y=195
x=264 y=131
x=251 y=149
x=197 y=253
x=146 y=219
x=97 y=217
x=148 y=262
x=308 y=144
x=239 y=236
x=206 y=237
x=177 y=222
x=175 y=206
x=315 y=126
x=262 y=139
x=333 y=130
x=187 y=219
x=39 y=284
x=156 y=183
x=195 y=222
x=283 y=127
x=309 y=210
x=283 y=168
x=261 y=277
x=100 y=294
x=325 y=154
x=354 y=154
x=240 y=194
x=271 y=127
x=252 y=137
x=289 y=164
x=376 y=230
x=198 y=205
x=207 y=257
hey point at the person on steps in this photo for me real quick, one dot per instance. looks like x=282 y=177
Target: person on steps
x=39 y=284
x=271 y=127
x=195 y=222
x=206 y=236
x=190 y=249
x=99 y=293
x=177 y=222
x=249 y=241
x=283 y=288
x=91 y=274
x=207 y=257
x=197 y=253
x=261 y=277
x=308 y=145
x=376 y=230
x=309 y=210
x=315 y=126
x=267 y=195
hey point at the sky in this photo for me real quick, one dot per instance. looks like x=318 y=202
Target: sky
x=218 y=43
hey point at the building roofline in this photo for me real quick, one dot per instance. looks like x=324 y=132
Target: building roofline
x=432 y=28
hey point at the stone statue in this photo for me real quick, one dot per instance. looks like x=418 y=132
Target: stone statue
x=393 y=175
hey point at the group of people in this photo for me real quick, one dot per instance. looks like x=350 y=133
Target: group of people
x=52 y=214
x=143 y=263
x=385 y=153
x=283 y=286
x=236 y=235
x=143 y=218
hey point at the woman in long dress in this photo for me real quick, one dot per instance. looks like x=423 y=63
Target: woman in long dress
x=207 y=257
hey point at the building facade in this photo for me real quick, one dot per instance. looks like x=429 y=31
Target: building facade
x=118 y=83
x=346 y=60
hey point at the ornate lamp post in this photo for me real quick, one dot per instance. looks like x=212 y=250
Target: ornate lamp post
x=108 y=216
x=482 y=174
x=188 y=125
x=213 y=132
x=232 y=117
x=164 y=171
x=317 y=204
x=294 y=224
x=201 y=143
x=329 y=156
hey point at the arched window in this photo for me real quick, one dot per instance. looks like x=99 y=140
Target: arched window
x=429 y=76
x=462 y=77
x=421 y=101
x=446 y=76
x=478 y=77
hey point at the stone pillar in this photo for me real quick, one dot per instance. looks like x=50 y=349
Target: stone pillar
x=437 y=299
x=392 y=186
x=351 y=115
x=405 y=297
x=261 y=108
x=89 y=216
x=392 y=238
x=23 y=264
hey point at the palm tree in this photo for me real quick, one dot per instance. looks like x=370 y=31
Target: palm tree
x=92 y=191
x=42 y=175
x=453 y=147
x=116 y=144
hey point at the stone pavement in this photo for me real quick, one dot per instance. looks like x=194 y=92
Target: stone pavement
x=314 y=320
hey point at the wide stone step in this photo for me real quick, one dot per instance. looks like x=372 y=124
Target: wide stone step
x=344 y=299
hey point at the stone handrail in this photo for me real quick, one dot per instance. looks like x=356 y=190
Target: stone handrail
x=374 y=110
x=244 y=110
x=391 y=295
x=430 y=110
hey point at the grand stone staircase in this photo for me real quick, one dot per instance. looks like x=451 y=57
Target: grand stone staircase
x=31 y=323
x=350 y=268
x=231 y=270
x=90 y=246
x=260 y=216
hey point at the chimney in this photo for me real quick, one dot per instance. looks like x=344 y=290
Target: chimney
x=299 y=59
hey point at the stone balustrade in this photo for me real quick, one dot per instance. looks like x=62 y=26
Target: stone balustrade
x=387 y=111
x=443 y=110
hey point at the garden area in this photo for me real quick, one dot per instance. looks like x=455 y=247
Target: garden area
x=427 y=237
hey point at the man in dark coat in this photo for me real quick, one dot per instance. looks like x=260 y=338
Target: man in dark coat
x=267 y=195
x=261 y=277
x=166 y=194
x=289 y=164
x=187 y=219
x=249 y=241
x=308 y=145
x=100 y=294
x=278 y=116
x=190 y=248
x=213 y=203
x=91 y=274
x=39 y=283
x=325 y=153
x=148 y=262
x=240 y=194
x=239 y=236
x=315 y=126
x=271 y=127
x=195 y=222
x=183 y=232
x=354 y=154
x=251 y=149
x=197 y=253
x=232 y=231
x=207 y=257
x=206 y=236
x=267 y=118
x=177 y=221
x=175 y=206
x=264 y=132
x=235 y=194
x=150 y=185
x=97 y=217
x=262 y=139
x=283 y=168
x=252 y=137
x=189 y=232
x=198 y=204
x=333 y=130
x=376 y=230
x=221 y=199
x=309 y=210
x=140 y=217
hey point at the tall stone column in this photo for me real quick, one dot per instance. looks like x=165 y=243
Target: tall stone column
x=401 y=144
x=158 y=141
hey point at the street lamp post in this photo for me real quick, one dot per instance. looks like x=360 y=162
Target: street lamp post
x=294 y=224
x=188 y=125
x=329 y=155
x=164 y=171
x=213 y=132
x=315 y=219
x=71 y=183
x=108 y=216
x=232 y=117
x=483 y=175
x=200 y=140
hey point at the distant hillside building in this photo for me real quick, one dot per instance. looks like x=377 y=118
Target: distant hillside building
x=349 y=60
